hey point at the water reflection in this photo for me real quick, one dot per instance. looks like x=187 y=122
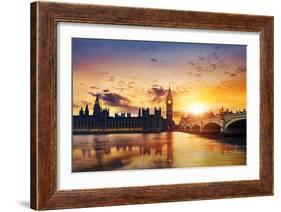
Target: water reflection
x=155 y=150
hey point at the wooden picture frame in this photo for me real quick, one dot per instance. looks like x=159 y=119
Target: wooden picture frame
x=44 y=19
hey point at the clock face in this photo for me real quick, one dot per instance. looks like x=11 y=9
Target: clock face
x=169 y=101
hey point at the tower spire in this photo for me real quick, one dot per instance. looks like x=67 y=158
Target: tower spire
x=139 y=114
x=97 y=99
x=169 y=92
x=97 y=108
x=86 y=110
x=169 y=109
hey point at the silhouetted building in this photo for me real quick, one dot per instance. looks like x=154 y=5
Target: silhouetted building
x=101 y=121
x=169 y=110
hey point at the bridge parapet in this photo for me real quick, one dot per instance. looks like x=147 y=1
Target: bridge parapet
x=235 y=115
x=222 y=121
x=234 y=118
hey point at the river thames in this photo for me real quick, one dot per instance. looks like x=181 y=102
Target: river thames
x=155 y=150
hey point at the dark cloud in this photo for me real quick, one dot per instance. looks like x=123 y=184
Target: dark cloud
x=201 y=58
x=86 y=103
x=199 y=68
x=115 y=100
x=155 y=85
x=131 y=84
x=153 y=60
x=213 y=55
x=222 y=59
x=75 y=106
x=119 y=88
x=213 y=66
x=191 y=63
x=92 y=93
x=94 y=87
x=211 y=63
x=241 y=69
x=223 y=66
x=226 y=84
x=122 y=85
x=111 y=79
x=103 y=72
x=179 y=90
x=148 y=48
x=157 y=94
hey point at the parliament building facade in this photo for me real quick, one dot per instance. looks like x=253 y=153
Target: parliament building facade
x=101 y=122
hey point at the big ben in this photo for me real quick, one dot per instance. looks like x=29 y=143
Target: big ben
x=169 y=110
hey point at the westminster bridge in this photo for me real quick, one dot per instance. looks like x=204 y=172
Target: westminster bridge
x=228 y=124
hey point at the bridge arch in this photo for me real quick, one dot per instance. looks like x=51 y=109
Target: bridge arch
x=195 y=128
x=211 y=127
x=187 y=127
x=212 y=122
x=236 y=126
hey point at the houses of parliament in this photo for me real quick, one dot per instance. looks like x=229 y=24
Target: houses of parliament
x=101 y=122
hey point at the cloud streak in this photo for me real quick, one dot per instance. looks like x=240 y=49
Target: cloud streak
x=115 y=100
x=157 y=93
x=153 y=60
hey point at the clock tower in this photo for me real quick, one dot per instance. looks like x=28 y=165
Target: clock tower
x=169 y=110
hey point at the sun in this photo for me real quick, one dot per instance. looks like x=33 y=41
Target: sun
x=197 y=109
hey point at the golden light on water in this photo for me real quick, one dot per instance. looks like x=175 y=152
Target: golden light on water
x=129 y=75
x=156 y=150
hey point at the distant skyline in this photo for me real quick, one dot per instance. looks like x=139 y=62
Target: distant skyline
x=132 y=74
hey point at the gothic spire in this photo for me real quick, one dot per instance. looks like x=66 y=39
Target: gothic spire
x=97 y=108
x=86 y=110
x=97 y=99
x=169 y=92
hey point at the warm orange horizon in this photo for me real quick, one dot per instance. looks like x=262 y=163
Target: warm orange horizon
x=133 y=74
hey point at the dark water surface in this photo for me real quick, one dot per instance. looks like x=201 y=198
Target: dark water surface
x=155 y=150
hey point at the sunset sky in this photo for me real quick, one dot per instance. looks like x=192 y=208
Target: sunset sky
x=132 y=74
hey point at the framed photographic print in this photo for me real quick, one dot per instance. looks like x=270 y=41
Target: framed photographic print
x=135 y=105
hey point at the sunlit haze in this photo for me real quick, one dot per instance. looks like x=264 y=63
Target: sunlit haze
x=133 y=74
